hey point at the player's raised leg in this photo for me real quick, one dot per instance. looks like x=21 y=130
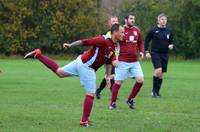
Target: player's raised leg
x=48 y=62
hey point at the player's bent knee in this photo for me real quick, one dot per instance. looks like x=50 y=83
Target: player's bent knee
x=119 y=82
x=161 y=76
x=90 y=93
x=158 y=72
x=60 y=73
x=140 y=79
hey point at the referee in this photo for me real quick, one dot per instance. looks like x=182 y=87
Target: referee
x=162 y=42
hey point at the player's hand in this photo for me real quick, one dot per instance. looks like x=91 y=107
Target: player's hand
x=115 y=63
x=66 y=45
x=148 y=55
x=141 y=55
x=171 y=46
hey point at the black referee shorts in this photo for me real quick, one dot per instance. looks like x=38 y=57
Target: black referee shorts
x=160 y=60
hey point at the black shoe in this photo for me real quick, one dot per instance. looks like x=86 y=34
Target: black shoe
x=154 y=95
x=113 y=106
x=158 y=95
x=130 y=104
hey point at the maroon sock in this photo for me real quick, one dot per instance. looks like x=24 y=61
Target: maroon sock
x=115 y=89
x=135 y=90
x=112 y=81
x=51 y=64
x=87 y=107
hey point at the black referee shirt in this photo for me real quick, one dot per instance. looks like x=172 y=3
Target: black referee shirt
x=161 y=38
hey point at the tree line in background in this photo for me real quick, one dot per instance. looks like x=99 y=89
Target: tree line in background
x=47 y=24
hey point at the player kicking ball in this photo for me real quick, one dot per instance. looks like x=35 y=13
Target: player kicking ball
x=85 y=66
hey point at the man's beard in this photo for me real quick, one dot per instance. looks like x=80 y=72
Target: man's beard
x=130 y=25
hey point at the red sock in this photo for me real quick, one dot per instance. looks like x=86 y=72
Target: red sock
x=135 y=90
x=51 y=64
x=115 y=89
x=87 y=107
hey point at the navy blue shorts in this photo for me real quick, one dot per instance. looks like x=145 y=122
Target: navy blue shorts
x=160 y=60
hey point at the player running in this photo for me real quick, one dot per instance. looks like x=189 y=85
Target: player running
x=127 y=62
x=85 y=66
x=112 y=20
x=162 y=41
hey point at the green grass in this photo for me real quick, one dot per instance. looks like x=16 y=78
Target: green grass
x=33 y=99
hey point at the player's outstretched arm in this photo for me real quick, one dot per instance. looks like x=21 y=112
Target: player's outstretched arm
x=76 y=43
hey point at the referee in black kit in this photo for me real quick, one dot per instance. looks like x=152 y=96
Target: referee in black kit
x=162 y=42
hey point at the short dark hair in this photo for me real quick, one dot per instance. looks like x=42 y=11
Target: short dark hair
x=127 y=16
x=115 y=27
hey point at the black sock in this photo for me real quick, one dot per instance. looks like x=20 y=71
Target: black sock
x=155 y=84
x=102 y=86
x=159 y=85
x=112 y=82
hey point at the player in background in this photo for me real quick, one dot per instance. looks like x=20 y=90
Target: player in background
x=127 y=62
x=162 y=42
x=85 y=66
x=112 y=20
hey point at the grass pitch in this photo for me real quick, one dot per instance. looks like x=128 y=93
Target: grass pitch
x=33 y=99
